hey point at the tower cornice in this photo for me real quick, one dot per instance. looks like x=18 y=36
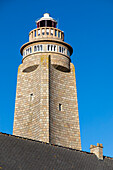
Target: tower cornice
x=47 y=40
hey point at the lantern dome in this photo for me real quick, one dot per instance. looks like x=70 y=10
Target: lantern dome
x=46 y=21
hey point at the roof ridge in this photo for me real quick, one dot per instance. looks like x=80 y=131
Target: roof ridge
x=44 y=142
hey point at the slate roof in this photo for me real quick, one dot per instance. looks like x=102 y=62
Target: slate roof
x=18 y=153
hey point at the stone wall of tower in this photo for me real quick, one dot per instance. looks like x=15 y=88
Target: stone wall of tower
x=45 y=81
x=31 y=118
x=64 y=125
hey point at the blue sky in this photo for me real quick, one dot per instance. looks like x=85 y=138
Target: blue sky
x=88 y=28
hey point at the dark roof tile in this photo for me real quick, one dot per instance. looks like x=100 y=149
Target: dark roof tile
x=18 y=153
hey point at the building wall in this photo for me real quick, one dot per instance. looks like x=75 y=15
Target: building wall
x=31 y=118
x=64 y=125
x=44 y=81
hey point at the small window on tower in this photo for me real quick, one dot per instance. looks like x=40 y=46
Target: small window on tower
x=30 y=49
x=48 y=47
x=60 y=107
x=40 y=47
x=47 y=31
x=31 y=97
x=60 y=49
x=51 y=47
x=64 y=51
x=35 y=48
x=54 y=47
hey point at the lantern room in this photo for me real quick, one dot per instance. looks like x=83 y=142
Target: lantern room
x=46 y=21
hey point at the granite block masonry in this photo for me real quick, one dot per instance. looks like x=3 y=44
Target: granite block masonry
x=46 y=107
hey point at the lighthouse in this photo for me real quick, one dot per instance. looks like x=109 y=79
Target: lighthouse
x=46 y=107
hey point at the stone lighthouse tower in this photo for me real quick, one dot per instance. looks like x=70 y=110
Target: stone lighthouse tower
x=46 y=107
